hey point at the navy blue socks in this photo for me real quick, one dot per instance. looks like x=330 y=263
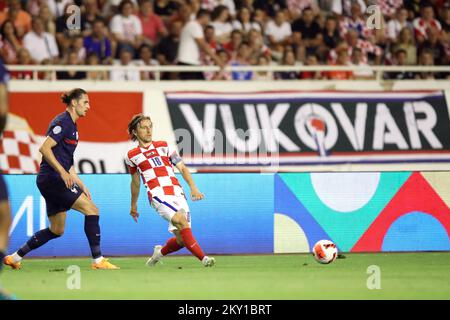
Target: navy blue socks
x=92 y=230
x=37 y=240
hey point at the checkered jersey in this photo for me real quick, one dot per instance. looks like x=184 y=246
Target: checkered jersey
x=155 y=164
x=18 y=152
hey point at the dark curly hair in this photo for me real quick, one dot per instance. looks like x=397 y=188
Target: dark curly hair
x=74 y=94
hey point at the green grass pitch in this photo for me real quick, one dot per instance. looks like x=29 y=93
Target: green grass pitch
x=297 y=276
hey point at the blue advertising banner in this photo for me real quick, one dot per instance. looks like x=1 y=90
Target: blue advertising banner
x=235 y=206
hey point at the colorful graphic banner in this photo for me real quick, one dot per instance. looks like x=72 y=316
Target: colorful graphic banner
x=257 y=213
x=296 y=128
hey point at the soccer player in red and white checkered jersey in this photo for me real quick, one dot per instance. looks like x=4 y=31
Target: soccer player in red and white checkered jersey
x=154 y=161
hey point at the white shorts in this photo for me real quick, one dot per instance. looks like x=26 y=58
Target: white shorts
x=167 y=206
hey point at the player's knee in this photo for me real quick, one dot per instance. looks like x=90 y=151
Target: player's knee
x=92 y=210
x=58 y=231
x=179 y=220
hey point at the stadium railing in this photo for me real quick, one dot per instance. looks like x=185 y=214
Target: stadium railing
x=158 y=70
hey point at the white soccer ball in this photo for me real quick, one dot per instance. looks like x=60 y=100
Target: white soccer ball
x=325 y=251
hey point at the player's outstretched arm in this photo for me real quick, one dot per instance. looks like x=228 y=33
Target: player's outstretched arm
x=47 y=153
x=184 y=170
x=135 y=186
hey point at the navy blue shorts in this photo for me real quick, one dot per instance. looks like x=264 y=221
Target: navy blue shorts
x=57 y=197
x=3 y=189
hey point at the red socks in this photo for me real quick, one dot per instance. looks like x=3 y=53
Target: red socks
x=171 y=246
x=191 y=244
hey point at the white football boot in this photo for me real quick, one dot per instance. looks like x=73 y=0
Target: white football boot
x=156 y=257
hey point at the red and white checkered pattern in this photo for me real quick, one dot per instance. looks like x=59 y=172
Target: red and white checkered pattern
x=18 y=152
x=153 y=163
x=421 y=27
x=389 y=7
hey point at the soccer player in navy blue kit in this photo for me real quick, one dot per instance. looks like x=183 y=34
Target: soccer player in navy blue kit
x=61 y=187
x=5 y=212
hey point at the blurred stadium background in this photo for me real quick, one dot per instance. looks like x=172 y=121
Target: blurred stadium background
x=325 y=120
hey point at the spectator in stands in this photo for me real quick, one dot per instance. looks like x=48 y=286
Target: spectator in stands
x=288 y=60
x=330 y=34
x=212 y=4
x=98 y=42
x=91 y=13
x=41 y=45
x=426 y=58
x=126 y=57
x=221 y=22
x=311 y=60
x=400 y=60
x=20 y=18
x=296 y=7
x=47 y=18
x=222 y=74
x=33 y=6
x=23 y=58
x=367 y=48
x=152 y=25
x=425 y=22
x=344 y=7
x=356 y=60
x=256 y=43
x=413 y=7
x=263 y=75
x=242 y=59
x=146 y=59
x=244 y=22
x=126 y=28
x=394 y=26
x=92 y=60
x=270 y=7
x=355 y=22
x=192 y=43
x=72 y=60
x=406 y=42
x=9 y=43
x=232 y=46
x=78 y=47
x=166 y=51
x=434 y=43
x=58 y=7
x=342 y=60
x=307 y=32
x=445 y=18
x=165 y=8
x=278 y=31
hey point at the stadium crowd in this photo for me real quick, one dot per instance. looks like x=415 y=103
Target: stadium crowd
x=235 y=32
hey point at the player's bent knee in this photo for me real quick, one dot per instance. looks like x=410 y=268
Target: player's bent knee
x=57 y=231
x=179 y=220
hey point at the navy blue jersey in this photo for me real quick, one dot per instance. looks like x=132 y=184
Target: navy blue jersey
x=64 y=131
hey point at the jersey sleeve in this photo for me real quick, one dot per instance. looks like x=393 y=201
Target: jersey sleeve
x=131 y=166
x=57 y=131
x=173 y=155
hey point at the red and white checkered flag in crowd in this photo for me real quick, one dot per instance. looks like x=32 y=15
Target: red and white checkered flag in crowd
x=19 y=150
